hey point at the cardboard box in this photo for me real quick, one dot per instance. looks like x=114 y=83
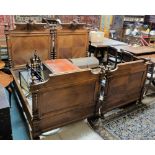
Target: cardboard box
x=96 y=36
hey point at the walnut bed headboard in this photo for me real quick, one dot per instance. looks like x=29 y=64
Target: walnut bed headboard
x=25 y=39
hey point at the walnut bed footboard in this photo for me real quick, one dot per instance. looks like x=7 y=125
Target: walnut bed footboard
x=62 y=99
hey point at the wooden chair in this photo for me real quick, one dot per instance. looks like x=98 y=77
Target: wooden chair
x=124 y=85
x=91 y=50
x=150 y=76
x=113 y=56
x=127 y=56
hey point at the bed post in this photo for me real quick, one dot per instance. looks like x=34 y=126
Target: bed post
x=35 y=122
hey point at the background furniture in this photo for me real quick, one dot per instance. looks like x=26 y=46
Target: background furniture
x=5 y=121
x=108 y=42
x=151 y=70
x=127 y=56
x=113 y=56
x=86 y=62
x=102 y=47
x=148 y=56
x=95 y=37
x=137 y=51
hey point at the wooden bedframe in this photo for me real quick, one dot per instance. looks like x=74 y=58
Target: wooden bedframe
x=61 y=99
x=70 y=96
x=124 y=84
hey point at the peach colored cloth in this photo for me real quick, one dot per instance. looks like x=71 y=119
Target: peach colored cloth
x=61 y=65
x=5 y=79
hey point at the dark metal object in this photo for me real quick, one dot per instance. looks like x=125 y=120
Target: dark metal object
x=35 y=68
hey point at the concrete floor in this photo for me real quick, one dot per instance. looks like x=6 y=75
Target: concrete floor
x=75 y=131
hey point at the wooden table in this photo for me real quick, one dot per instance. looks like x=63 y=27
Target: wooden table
x=102 y=47
x=107 y=42
x=148 y=56
x=141 y=50
x=5 y=79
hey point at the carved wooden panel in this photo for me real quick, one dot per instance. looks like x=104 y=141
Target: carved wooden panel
x=26 y=18
x=23 y=43
x=124 y=85
x=92 y=20
x=71 y=43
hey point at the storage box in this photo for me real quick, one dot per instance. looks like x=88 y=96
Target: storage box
x=96 y=36
x=87 y=62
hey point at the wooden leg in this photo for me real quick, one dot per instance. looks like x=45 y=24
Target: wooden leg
x=153 y=82
x=102 y=116
x=33 y=136
x=36 y=138
x=89 y=53
x=93 y=119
